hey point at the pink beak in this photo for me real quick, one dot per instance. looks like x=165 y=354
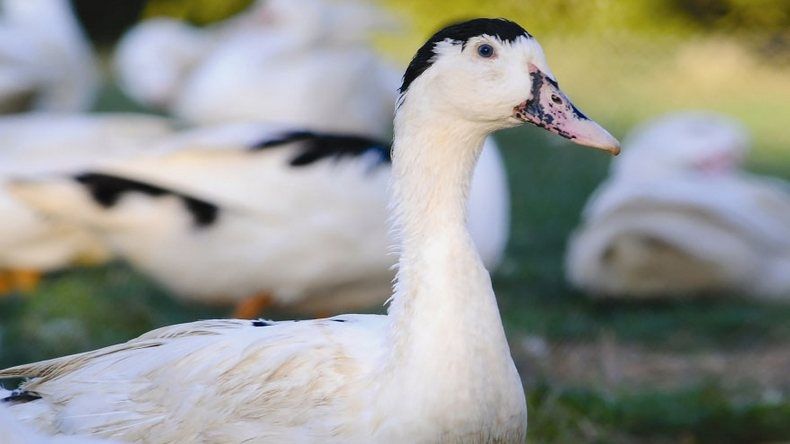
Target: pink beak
x=552 y=110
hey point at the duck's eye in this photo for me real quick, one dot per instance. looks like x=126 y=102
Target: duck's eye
x=485 y=50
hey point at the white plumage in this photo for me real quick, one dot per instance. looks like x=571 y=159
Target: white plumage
x=677 y=217
x=305 y=64
x=437 y=368
x=44 y=143
x=15 y=432
x=153 y=59
x=299 y=74
x=46 y=63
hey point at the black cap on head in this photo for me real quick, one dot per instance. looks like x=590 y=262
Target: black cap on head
x=460 y=33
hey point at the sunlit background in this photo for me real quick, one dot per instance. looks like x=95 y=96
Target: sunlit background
x=711 y=370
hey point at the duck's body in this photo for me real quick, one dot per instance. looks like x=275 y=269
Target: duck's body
x=329 y=89
x=154 y=58
x=436 y=368
x=303 y=381
x=690 y=237
x=688 y=225
x=303 y=64
x=257 y=217
x=43 y=143
x=335 y=81
x=46 y=63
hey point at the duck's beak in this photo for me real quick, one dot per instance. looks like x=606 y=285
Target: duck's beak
x=550 y=109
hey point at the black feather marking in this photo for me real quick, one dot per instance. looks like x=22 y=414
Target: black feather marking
x=107 y=190
x=460 y=33
x=318 y=146
x=262 y=323
x=20 y=396
x=338 y=320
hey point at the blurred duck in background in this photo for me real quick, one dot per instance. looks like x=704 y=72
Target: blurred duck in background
x=154 y=58
x=306 y=64
x=46 y=143
x=293 y=218
x=678 y=217
x=46 y=63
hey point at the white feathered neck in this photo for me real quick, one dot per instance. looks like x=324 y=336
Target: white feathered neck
x=446 y=338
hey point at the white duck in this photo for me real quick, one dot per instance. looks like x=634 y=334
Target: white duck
x=300 y=74
x=48 y=143
x=300 y=220
x=46 y=63
x=436 y=368
x=305 y=63
x=678 y=218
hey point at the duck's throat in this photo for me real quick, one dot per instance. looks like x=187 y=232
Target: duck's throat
x=442 y=287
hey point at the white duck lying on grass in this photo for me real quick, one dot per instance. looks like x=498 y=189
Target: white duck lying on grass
x=436 y=368
x=44 y=143
x=46 y=63
x=678 y=218
x=294 y=218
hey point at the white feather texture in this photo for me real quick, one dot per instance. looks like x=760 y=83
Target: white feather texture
x=44 y=143
x=314 y=235
x=15 y=432
x=677 y=217
x=46 y=63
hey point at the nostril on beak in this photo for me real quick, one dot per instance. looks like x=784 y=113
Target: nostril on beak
x=556 y=99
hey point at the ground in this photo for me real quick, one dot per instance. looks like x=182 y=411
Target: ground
x=713 y=370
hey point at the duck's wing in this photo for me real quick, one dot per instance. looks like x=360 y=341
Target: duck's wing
x=223 y=379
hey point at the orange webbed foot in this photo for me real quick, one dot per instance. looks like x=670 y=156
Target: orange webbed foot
x=253 y=306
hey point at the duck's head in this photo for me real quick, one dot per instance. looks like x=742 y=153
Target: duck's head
x=493 y=72
x=689 y=142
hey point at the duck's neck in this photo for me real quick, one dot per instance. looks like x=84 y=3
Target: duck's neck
x=444 y=318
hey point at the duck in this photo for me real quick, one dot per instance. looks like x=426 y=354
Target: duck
x=301 y=73
x=190 y=73
x=435 y=368
x=46 y=62
x=230 y=215
x=679 y=218
x=153 y=58
x=48 y=143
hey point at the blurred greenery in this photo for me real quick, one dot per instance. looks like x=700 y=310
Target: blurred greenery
x=622 y=62
x=699 y=414
x=199 y=12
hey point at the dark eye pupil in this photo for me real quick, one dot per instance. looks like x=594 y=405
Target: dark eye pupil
x=556 y=99
x=485 y=50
